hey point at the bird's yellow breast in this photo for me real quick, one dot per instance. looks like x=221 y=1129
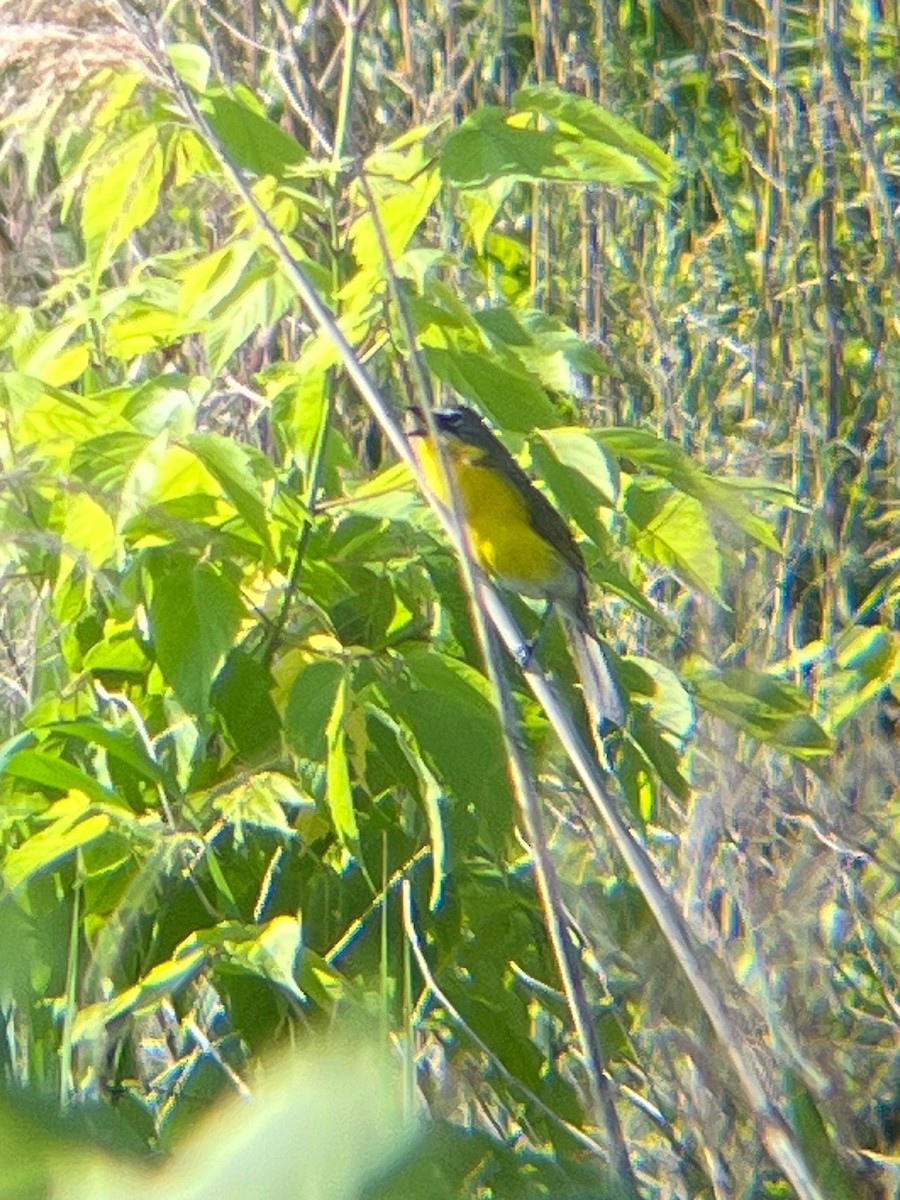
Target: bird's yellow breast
x=498 y=525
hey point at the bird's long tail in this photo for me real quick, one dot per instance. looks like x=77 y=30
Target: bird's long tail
x=602 y=696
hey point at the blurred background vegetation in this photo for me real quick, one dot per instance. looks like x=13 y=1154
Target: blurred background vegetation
x=253 y=787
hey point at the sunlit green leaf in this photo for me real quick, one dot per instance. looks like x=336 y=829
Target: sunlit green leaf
x=194 y=612
x=261 y=295
x=599 y=126
x=404 y=189
x=161 y=981
x=126 y=746
x=313 y=697
x=673 y=530
x=122 y=193
x=580 y=474
x=73 y=824
x=588 y=145
x=250 y=139
x=505 y=390
x=770 y=709
x=255 y=801
x=238 y=469
x=191 y=62
x=271 y=951
x=49 y=770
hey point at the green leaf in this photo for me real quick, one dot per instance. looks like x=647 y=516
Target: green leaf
x=73 y=824
x=118 y=652
x=661 y=755
x=504 y=389
x=580 y=475
x=262 y=295
x=431 y=795
x=479 y=208
x=313 y=696
x=48 y=357
x=655 y=454
x=668 y=461
x=588 y=145
x=726 y=496
x=445 y=705
x=771 y=710
x=211 y=279
x=88 y=535
x=230 y=464
x=576 y=449
x=49 y=417
x=600 y=128
x=141 y=328
x=338 y=789
x=825 y=1160
x=105 y=461
x=671 y=705
x=48 y=770
x=673 y=530
x=191 y=62
x=544 y=345
x=404 y=190
x=271 y=952
x=242 y=696
x=121 y=194
x=122 y=745
x=258 y=801
x=484 y=149
x=250 y=139
x=167 y=402
x=161 y=982
x=319 y=980
x=194 y=613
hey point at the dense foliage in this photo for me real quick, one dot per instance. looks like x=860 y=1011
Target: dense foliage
x=259 y=832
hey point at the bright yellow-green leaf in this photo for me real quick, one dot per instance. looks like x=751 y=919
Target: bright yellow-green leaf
x=205 y=283
x=588 y=475
x=191 y=62
x=143 y=330
x=47 y=357
x=588 y=145
x=404 y=190
x=88 y=534
x=240 y=472
x=599 y=128
x=73 y=825
x=259 y=801
x=259 y=298
x=769 y=709
x=48 y=417
x=121 y=194
x=276 y=952
x=479 y=207
x=673 y=529
x=162 y=981
x=501 y=387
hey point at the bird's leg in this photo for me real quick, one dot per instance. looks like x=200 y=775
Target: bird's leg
x=527 y=651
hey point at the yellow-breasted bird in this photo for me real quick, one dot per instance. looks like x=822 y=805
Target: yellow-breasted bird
x=518 y=538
